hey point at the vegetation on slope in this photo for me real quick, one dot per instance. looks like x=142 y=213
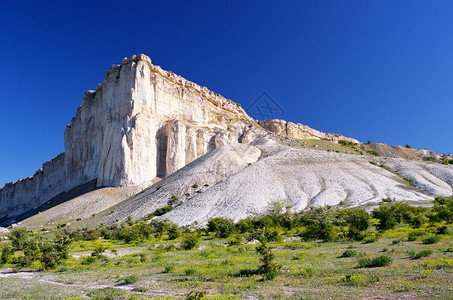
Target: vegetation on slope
x=397 y=251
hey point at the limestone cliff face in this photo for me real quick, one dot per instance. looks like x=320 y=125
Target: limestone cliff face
x=299 y=131
x=25 y=194
x=141 y=123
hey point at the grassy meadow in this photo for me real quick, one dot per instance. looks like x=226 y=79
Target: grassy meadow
x=417 y=262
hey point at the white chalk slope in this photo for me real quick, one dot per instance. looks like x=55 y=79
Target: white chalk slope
x=238 y=181
x=307 y=177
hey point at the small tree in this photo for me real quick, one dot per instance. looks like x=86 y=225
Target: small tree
x=190 y=241
x=268 y=268
x=320 y=224
x=7 y=251
x=222 y=227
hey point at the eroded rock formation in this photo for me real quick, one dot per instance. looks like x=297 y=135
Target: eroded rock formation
x=141 y=123
x=300 y=131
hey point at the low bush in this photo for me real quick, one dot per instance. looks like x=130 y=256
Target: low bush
x=235 y=240
x=420 y=254
x=222 y=227
x=190 y=241
x=412 y=236
x=373 y=152
x=442 y=230
x=379 y=261
x=7 y=251
x=129 y=279
x=356 y=279
x=161 y=211
x=190 y=271
x=168 y=268
x=349 y=253
x=307 y=271
x=432 y=240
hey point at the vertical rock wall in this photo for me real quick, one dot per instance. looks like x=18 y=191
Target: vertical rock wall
x=26 y=194
x=141 y=123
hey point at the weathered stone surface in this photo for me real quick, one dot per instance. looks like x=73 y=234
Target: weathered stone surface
x=25 y=194
x=300 y=131
x=141 y=123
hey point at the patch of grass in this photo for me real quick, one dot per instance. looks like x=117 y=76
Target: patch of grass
x=409 y=181
x=140 y=289
x=373 y=152
x=130 y=279
x=107 y=293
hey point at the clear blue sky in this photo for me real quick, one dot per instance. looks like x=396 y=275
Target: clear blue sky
x=373 y=70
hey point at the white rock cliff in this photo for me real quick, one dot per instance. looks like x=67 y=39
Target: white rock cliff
x=141 y=123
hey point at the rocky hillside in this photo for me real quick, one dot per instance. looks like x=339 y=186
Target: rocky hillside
x=144 y=124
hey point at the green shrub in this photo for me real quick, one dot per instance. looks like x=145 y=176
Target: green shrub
x=247 y=272
x=412 y=236
x=173 y=231
x=222 y=227
x=307 y=271
x=356 y=279
x=409 y=181
x=19 y=237
x=140 y=289
x=357 y=220
x=421 y=254
x=99 y=249
x=442 y=210
x=373 y=152
x=268 y=267
x=235 y=240
x=195 y=296
x=378 y=261
x=271 y=275
x=54 y=252
x=371 y=238
x=173 y=200
x=391 y=213
x=442 y=230
x=273 y=234
x=130 y=279
x=432 y=239
x=349 y=253
x=161 y=211
x=88 y=261
x=190 y=271
x=319 y=224
x=7 y=251
x=168 y=268
x=190 y=241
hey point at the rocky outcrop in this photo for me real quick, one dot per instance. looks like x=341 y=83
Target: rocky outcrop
x=141 y=123
x=300 y=131
x=29 y=193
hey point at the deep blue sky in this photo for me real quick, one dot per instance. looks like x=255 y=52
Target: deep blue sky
x=373 y=70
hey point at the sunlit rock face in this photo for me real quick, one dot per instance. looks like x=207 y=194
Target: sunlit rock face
x=141 y=123
x=300 y=131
